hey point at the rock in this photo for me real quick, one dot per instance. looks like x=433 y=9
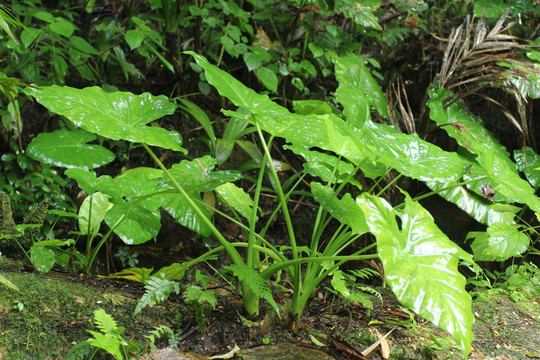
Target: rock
x=283 y=351
x=171 y=354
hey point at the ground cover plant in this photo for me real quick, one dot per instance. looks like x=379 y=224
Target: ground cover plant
x=351 y=154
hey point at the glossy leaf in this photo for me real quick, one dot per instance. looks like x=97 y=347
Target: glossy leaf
x=88 y=181
x=478 y=207
x=236 y=198
x=42 y=258
x=358 y=90
x=322 y=165
x=197 y=175
x=410 y=155
x=92 y=212
x=499 y=243
x=115 y=115
x=328 y=132
x=421 y=265
x=493 y=158
x=69 y=149
x=345 y=210
x=183 y=213
x=141 y=222
x=201 y=117
x=528 y=162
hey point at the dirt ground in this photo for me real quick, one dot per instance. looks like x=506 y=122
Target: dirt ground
x=52 y=312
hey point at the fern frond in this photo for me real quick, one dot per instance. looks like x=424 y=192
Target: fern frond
x=157 y=289
x=255 y=282
x=365 y=273
x=159 y=332
x=106 y=323
x=372 y=291
x=200 y=296
x=395 y=35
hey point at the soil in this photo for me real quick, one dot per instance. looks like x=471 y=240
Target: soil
x=52 y=312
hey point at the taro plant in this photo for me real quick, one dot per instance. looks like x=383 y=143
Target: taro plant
x=341 y=150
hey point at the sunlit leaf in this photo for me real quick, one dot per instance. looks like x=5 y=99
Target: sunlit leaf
x=345 y=209
x=92 y=212
x=236 y=198
x=197 y=175
x=358 y=90
x=42 y=258
x=421 y=265
x=528 y=161
x=493 y=158
x=69 y=149
x=115 y=115
x=499 y=243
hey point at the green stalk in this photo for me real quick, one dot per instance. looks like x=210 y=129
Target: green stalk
x=283 y=201
x=250 y=300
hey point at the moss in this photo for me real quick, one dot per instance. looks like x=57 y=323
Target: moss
x=48 y=316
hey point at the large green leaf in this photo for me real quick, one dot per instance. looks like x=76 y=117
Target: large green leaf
x=528 y=161
x=500 y=242
x=345 y=209
x=42 y=258
x=92 y=212
x=69 y=149
x=493 y=157
x=410 y=155
x=115 y=115
x=183 y=213
x=421 y=265
x=236 y=198
x=478 y=207
x=358 y=90
x=88 y=181
x=197 y=175
x=141 y=223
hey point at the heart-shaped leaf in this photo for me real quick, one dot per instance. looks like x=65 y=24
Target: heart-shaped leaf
x=420 y=264
x=69 y=149
x=115 y=115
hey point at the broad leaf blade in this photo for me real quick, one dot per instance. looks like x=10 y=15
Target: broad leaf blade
x=499 y=243
x=236 y=198
x=345 y=209
x=115 y=115
x=69 y=149
x=92 y=212
x=420 y=264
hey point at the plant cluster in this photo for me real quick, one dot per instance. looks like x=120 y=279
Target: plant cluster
x=350 y=153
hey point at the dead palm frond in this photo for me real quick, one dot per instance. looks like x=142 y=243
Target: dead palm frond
x=477 y=58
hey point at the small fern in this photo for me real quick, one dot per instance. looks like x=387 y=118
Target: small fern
x=162 y=331
x=365 y=273
x=393 y=36
x=157 y=289
x=110 y=338
x=198 y=298
x=344 y=285
x=255 y=282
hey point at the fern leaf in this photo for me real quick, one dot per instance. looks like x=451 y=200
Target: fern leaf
x=200 y=296
x=157 y=289
x=255 y=282
x=106 y=323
